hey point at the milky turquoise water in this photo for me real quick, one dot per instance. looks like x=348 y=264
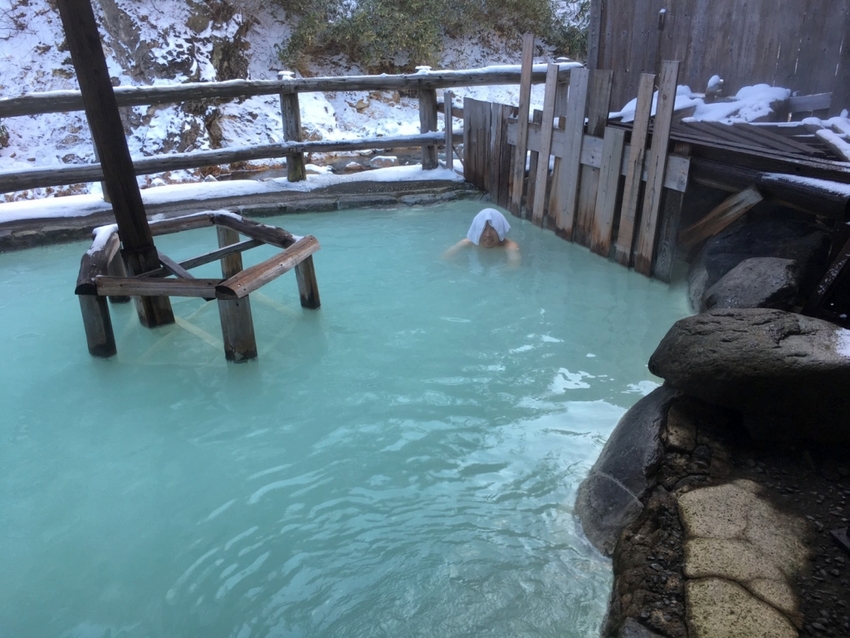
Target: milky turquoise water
x=401 y=462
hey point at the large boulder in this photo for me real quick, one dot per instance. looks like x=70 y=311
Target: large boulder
x=612 y=495
x=787 y=374
x=783 y=234
x=758 y=282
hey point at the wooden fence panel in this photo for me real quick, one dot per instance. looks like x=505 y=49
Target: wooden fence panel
x=799 y=44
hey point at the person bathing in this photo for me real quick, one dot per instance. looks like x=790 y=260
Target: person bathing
x=489 y=229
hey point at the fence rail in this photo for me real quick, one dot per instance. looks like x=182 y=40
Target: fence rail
x=425 y=83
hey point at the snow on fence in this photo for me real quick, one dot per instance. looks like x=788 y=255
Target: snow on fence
x=425 y=83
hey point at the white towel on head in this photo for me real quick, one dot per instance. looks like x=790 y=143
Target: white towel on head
x=497 y=221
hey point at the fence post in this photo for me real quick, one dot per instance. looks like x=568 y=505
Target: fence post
x=428 y=123
x=290 y=112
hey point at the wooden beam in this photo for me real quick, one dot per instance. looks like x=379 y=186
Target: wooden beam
x=724 y=214
x=541 y=176
x=606 y=195
x=250 y=279
x=428 y=124
x=533 y=169
x=568 y=178
x=262 y=232
x=308 y=288
x=669 y=221
x=656 y=166
x=520 y=152
x=147 y=287
x=631 y=190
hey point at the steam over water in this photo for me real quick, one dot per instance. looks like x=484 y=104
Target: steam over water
x=401 y=462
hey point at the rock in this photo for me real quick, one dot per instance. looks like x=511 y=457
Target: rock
x=779 y=232
x=383 y=161
x=787 y=374
x=353 y=167
x=610 y=498
x=719 y=608
x=758 y=282
x=631 y=628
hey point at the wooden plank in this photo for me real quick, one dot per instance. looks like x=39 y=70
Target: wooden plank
x=631 y=190
x=606 y=195
x=448 y=98
x=520 y=151
x=502 y=114
x=727 y=212
x=146 y=287
x=780 y=142
x=290 y=112
x=541 y=177
x=533 y=167
x=675 y=176
x=173 y=267
x=96 y=260
x=178 y=224
x=655 y=170
x=262 y=232
x=836 y=275
x=553 y=204
x=428 y=124
x=670 y=221
x=598 y=107
x=839 y=146
x=250 y=279
x=569 y=173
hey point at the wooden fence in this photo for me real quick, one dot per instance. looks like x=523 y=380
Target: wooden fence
x=803 y=45
x=615 y=198
x=424 y=83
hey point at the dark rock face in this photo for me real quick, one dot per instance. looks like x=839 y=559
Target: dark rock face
x=784 y=234
x=758 y=282
x=789 y=375
x=610 y=498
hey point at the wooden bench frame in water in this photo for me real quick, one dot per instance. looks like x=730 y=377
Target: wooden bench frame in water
x=103 y=275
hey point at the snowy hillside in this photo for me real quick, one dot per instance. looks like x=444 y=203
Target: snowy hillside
x=149 y=42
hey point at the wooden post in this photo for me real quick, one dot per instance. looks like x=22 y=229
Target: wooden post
x=116 y=268
x=606 y=195
x=518 y=172
x=428 y=124
x=598 y=106
x=308 y=289
x=670 y=220
x=290 y=112
x=237 y=324
x=541 y=176
x=98 y=325
x=104 y=120
x=448 y=97
x=631 y=190
x=656 y=166
x=533 y=168
x=568 y=180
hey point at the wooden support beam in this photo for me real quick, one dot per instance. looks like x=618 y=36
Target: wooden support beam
x=262 y=232
x=96 y=260
x=149 y=286
x=250 y=279
x=568 y=178
x=656 y=166
x=290 y=112
x=521 y=150
x=637 y=152
x=606 y=195
x=448 y=97
x=237 y=322
x=173 y=267
x=541 y=176
x=428 y=124
x=533 y=169
x=100 y=337
x=837 y=275
x=308 y=288
x=670 y=221
x=727 y=212
x=598 y=107
x=83 y=40
x=116 y=268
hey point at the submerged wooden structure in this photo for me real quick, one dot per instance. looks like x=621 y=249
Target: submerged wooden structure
x=123 y=260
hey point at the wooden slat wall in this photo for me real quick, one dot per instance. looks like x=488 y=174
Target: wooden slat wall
x=803 y=45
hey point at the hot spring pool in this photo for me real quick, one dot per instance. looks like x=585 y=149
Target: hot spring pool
x=402 y=462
